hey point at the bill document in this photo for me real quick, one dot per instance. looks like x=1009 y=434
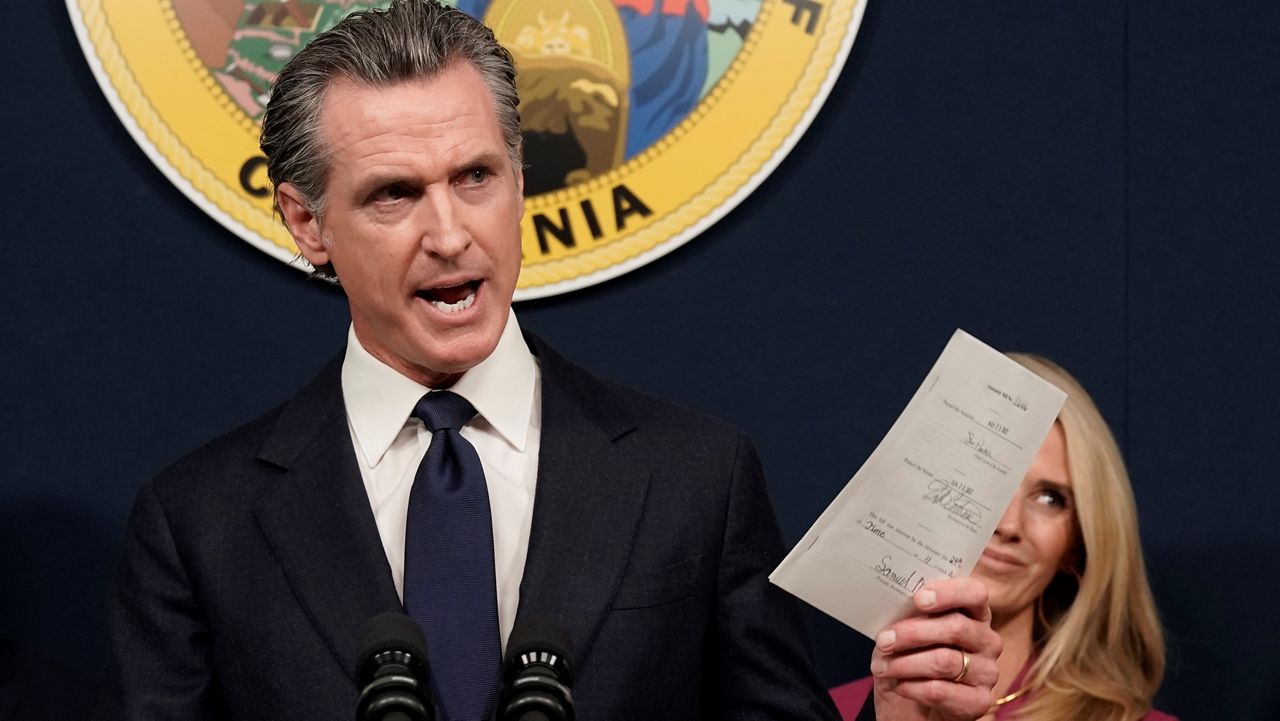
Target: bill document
x=926 y=501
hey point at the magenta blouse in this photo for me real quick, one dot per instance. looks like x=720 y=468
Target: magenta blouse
x=851 y=697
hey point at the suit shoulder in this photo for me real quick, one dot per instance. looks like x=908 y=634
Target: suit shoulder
x=652 y=410
x=224 y=457
x=233 y=464
x=618 y=408
x=244 y=439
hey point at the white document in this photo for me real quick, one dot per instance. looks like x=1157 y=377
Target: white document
x=925 y=503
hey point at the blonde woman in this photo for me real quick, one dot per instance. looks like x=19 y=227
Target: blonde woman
x=1068 y=588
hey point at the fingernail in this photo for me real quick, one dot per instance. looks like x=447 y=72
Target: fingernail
x=878 y=666
x=886 y=639
x=927 y=598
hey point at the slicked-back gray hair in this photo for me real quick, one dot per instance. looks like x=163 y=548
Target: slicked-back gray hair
x=411 y=39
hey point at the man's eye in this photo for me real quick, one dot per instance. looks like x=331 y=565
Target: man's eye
x=391 y=193
x=475 y=176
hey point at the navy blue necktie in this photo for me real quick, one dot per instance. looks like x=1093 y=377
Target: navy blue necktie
x=448 y=564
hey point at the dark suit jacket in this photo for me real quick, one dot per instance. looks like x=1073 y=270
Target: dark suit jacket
x=251 y=566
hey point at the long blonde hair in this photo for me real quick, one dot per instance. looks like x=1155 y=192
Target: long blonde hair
x=1101 y=646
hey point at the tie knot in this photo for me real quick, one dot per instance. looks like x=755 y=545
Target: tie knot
x=443 y=409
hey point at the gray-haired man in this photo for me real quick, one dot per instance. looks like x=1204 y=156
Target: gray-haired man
x=643 y=529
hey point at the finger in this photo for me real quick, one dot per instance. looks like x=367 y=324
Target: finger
x=936 y=664
x=950 y=629
x=947 y=700
x=967 y=595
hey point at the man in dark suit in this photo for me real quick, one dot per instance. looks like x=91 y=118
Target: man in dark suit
x=644 y=530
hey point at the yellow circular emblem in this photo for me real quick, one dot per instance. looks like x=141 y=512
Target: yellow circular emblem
x=645 y=121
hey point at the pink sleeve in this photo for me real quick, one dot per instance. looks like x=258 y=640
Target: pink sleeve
x=1154 y=715
x=850 y=697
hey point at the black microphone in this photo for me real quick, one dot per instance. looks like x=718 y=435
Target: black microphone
x=538 y=674
x=392 y=671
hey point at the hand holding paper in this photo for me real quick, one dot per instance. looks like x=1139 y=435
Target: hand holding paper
x=939 y=665
x=924 y=504
x=889 y=556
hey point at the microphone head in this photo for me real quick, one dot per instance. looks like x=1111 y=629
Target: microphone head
x=538 y=674
x=539 y=642
x=391 y=637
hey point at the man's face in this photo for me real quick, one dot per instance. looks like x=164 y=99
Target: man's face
x=421 y=219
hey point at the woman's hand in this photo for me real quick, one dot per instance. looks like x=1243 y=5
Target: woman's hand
x=941 y=664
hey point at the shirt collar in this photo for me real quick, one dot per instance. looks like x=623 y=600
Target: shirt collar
x=379 y=399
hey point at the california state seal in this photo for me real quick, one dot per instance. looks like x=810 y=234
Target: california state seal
x=645 y=121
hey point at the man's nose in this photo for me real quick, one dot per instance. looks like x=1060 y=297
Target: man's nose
x=443 y=234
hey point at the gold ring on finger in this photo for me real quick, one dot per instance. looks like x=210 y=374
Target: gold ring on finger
x=964 y=667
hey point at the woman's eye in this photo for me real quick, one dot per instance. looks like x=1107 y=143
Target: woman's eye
x=1052 y=499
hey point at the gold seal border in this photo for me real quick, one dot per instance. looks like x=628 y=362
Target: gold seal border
x=206 y=78
x=716 y=199
x=162 y=145
x=538 y=278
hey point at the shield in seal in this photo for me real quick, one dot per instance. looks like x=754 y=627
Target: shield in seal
x=645 y=121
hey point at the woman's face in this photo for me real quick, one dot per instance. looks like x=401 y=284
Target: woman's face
x=1036 y=536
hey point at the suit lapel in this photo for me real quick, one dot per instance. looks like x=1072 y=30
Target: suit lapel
x=589 y=500
x=318 y=522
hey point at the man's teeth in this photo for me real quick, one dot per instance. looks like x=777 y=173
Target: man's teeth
x=458 y=307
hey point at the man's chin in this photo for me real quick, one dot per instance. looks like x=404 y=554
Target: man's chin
x=444 y=364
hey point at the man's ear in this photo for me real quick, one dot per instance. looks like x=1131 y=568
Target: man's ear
x=303 y=225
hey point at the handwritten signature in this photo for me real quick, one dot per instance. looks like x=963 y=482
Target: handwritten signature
x=977 y=444
x=953 y=501
x=907 y=582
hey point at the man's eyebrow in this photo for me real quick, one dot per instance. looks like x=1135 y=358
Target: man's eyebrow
x=486 y=159
x=378 y=179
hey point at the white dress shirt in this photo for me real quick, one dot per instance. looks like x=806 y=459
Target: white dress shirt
x=505 y=389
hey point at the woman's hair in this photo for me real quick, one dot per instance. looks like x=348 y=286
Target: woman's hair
x=1101 y=647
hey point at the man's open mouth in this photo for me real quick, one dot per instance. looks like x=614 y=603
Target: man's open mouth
x=453 y=298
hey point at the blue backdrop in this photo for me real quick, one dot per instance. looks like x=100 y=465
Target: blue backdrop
x=1095 y=180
